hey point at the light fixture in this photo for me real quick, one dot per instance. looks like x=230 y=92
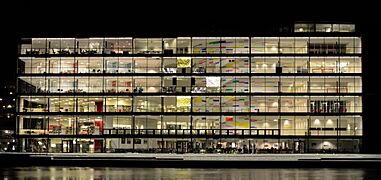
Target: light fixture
x=317 y=122
x=265 y=124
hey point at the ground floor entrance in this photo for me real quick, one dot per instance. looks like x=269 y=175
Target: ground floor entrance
x=190 y=145
x=67 y=146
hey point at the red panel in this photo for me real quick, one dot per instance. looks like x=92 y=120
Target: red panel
x=99 y=123
x=99 y=105
x=98 y=145
x=228 y=119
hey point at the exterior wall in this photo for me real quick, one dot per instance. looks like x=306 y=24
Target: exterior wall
x=200 y=94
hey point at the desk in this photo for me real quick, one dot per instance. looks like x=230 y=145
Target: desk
x=322 y=70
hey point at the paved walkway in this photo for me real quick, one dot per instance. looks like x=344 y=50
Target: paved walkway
x=209 y=157
x=191 y=160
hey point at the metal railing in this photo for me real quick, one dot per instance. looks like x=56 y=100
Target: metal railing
x=196 y=132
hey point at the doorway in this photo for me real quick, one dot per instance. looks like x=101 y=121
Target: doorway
x=67 y=146
x=182 y=146
x=299 y=146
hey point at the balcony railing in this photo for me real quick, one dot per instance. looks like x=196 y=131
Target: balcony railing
x=195 y=132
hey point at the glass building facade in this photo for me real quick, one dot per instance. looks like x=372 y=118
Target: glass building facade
x=278 y=94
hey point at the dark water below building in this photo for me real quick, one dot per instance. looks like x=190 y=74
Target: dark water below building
x=186 y=173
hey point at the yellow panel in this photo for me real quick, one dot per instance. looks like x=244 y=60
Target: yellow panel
x=183 y=62
x=183 y=101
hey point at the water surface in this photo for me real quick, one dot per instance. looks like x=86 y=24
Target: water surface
x=187 y=173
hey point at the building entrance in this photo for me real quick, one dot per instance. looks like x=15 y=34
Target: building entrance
x=182 y=146
x=67 y=146
x=299 y=146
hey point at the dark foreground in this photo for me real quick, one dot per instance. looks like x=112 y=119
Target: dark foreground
x=186 y=173
x=192 y=160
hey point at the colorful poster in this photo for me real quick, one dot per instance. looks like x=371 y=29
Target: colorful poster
x=253 y=123
x=242 y=122
x=229 y=119
x=183 y=62
x=183 y=101
x=213 y=81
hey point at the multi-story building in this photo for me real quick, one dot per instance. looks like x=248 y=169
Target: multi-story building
x=7 y=117
x=298 y=92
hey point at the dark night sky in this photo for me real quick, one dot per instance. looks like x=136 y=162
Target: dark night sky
x=70 y=19
x=111 y=18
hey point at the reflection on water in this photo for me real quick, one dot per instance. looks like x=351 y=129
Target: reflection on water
x=174 y=173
